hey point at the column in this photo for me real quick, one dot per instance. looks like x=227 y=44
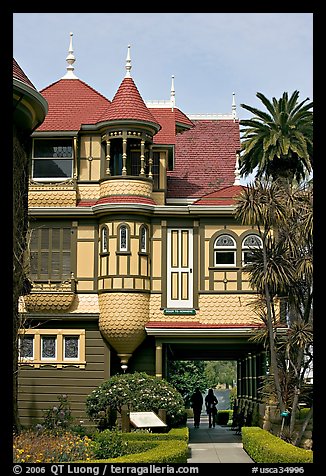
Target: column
x=108 y=157
x=250 y=386
x=158 y=360
x=142 y=157
x=150 y=162
x=124 y=156
x=254 y=377
x=239 y=382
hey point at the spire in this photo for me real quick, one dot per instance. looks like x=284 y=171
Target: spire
x=237 y=170
x=70 y=60
x=234 y=107
x=172 y=97
x=128 y=64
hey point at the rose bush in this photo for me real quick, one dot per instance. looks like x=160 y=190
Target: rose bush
x=140 y=392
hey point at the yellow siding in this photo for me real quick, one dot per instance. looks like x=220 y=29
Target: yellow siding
x=129 y=283
x=95 y=169
x=156 y=285
x=156 y=259
x=218 y=286
x=85 y=285
x=157 y=231
x=86 y=232
x=123 y=262
x=117 y=283
x=84 y=169
x=85 y=259
x=143 y=265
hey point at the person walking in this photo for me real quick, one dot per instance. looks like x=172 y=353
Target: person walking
x=196 y=404
x=210 y=403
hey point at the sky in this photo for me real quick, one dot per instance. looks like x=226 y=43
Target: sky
x=211 y=55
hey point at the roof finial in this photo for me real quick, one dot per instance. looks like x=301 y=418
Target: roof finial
x=172 y=97
x=234 y=107
x=128 y=64
x=237 y=170
x=70 y=60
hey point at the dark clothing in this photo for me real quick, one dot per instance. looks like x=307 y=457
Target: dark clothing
x=211 y=402
x=197 y=403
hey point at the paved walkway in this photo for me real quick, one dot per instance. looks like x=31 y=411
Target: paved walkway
x=215 y=445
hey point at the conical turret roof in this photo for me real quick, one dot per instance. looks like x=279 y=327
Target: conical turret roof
x=128 y=104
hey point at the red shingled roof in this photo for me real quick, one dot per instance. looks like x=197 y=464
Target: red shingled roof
x=127 y=104
x=168 y=118
x=225 y=196
x=72 y=103
x=205 y=158
x=19 y=74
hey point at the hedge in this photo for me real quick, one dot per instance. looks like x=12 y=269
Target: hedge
x=164 y=451
x=264 y=447
x=173 y=434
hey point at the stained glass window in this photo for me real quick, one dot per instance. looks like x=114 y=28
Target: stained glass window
x=104 y=240
x=224 y=251
x=52 y=159
x=143 y=239
x=123 y=238
x=71 y=347
x=48 y=347
x=249 y=245
x=26 y=347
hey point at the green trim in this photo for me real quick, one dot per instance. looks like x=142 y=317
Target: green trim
x=179 y=312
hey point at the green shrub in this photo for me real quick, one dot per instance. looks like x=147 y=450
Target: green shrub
x=109 y=444
x=222 y=417
x=59 y=416
x=140 y=392
x=173 y=434
x=165 y=451
x=263 y=447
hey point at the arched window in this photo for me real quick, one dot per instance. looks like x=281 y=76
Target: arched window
x=224 y=251
x=143 y=239
x=104 y=240
x=123 y=238
x=249 y=244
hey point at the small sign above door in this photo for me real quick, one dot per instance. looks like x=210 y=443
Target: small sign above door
x=175 y=312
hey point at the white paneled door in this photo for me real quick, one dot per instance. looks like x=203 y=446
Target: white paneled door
x=180 y=268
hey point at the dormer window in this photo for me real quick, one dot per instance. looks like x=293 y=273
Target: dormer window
x=52 y=160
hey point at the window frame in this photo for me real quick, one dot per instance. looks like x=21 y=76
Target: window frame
x=71 y=159
x=224 y=249
x=24 y=358
x=104 y=231
x=60 y=360
x=245 y=248
x=143 y=250
x=49 y=359
x=126 y=249
x=38 y=251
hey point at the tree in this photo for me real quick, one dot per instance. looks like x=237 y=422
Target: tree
x=220 y=372
x=185 y=376
x=279 y=142
x=140 y=392
x=282 y=269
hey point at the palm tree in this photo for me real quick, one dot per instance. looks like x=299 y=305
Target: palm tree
x=282 y=268
x=279 y=142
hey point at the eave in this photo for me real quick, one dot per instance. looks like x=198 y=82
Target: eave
x=30 y=107
x=137 y=208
